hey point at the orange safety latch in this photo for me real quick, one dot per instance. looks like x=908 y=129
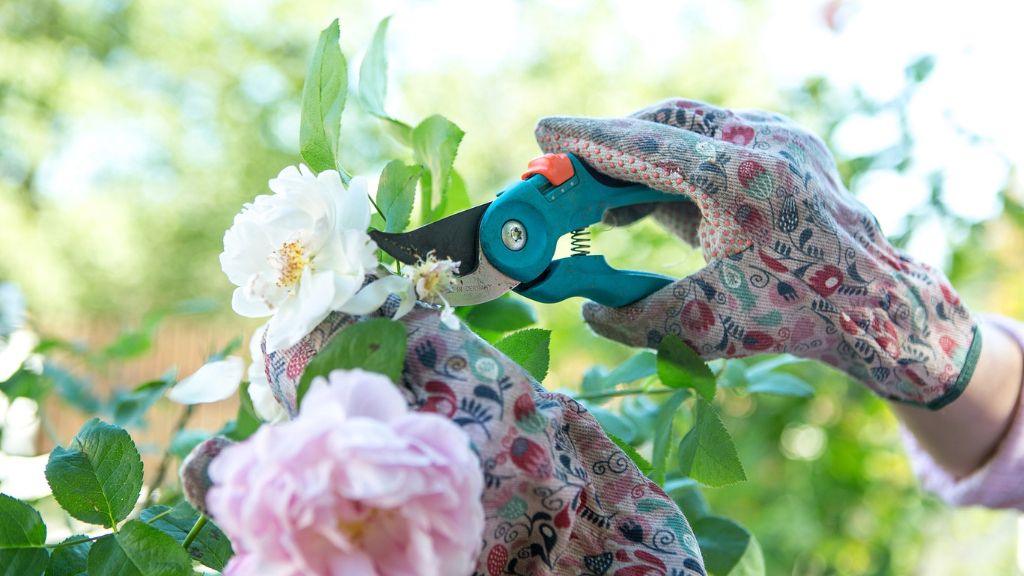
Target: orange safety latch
x=557 y=168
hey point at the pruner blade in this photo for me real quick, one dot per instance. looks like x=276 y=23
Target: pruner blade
x=456 y=237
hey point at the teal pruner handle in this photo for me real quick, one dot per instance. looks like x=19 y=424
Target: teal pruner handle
x=562 y=196
x=591 y=277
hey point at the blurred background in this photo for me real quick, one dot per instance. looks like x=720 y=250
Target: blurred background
x=132 y=132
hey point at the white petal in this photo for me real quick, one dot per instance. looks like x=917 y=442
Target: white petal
x=246 y=247
x=373 y=295
x=354 y=205
x=448 y=317
x=256 y=345
x=244 y=304
x=213 y=382
x=407 y=302
x=298 y=315
x=263 y=402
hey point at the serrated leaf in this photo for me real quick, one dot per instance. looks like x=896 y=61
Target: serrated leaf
x=323 y=100
x=139 y=549
x=435 y=142
x=375 y=345
x=97 y=479
x=728 y=548
x=22 y=539
x=680 y=367
x=504 y=314
x=781 y=385
x=373 y=72
x=641 y=463
x=529 y=348
x=663 y=419
x=396 y=193
x=456 y=197
x=211 y=546
x=70 y=559
x=707 y=453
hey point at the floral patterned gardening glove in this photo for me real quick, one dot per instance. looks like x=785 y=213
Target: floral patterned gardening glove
x=794 y=263
x=559 y=496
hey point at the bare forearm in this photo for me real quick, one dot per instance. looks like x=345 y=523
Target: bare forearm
x=964 y=434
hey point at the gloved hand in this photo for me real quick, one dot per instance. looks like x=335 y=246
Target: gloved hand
x=560 y=497
x=794 y=263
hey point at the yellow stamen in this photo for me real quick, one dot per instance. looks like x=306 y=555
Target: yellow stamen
x=290 y=261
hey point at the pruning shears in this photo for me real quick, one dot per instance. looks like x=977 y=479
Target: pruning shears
x=509 y=243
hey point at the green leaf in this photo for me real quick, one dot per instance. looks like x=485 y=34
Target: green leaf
x=769 y=365
x=919 y=70
x=687 y=495
x=612 y=423
x=323 y=99
x=22 y=539
x=70 y=559
x=97 y=479
x=246 y=422
x=211 y=547
x=504 y=314
x=26 y=384
x=734 y=374
x=185 y=440
x=680 y=367
x=130 y=409
x=728 y=548
x=396 y=192
x=707 y=453
x=641 y=463
x=71 y=389
x=455 y=199
x=373 y=72
x=435 y=142
x=781 y=385
x=139 y=549
x=663 y=420
x=640 y=365
x=530 y=349
x=129 y=345
x=375 y=345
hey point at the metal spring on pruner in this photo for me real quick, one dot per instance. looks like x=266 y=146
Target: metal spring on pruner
x=580 y=241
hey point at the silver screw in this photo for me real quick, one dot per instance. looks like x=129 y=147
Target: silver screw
x=513 y=234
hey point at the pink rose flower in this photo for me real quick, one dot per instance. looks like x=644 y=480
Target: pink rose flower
x=356 y=484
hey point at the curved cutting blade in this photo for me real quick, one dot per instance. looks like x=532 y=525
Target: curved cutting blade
x=456 y=237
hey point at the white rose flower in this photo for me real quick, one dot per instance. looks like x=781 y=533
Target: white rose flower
x=429 y=280
x=301 y=253
x=213 y=382
x=263 y=402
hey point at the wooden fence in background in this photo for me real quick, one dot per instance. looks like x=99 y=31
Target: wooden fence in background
x=178 y=344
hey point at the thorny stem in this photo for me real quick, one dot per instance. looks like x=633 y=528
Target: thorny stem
x=194 y=532
x=165 y=462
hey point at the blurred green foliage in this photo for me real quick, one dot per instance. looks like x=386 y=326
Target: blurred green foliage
x=131 y=132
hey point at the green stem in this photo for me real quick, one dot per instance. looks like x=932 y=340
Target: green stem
x=377 y=208
x=617 y=393
x=194 y=532
x=160 y=515
x=165 y=462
